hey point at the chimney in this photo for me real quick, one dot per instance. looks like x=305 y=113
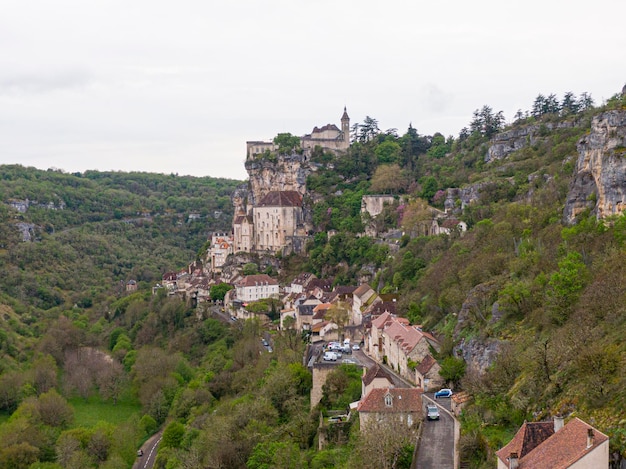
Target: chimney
x=558 y=423
x=513 y=461
x=590 y=437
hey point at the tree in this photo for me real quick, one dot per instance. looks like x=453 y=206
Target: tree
x=339 y=314
x=250 y=268
x=569 y=104
x=539 y=106
x=417 y=217
x=368 y=130
x=452 y=369
x=218 y=292
x=585 y=101
x=429 y=187
x=54 y=410
x=388 y=178
x=385 y=444
x=388 y=152
x=173 y=435
x=287 y=143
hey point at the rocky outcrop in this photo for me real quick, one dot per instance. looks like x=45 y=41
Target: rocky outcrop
x=278 y=173
x=505 y=143
x=479 y=354
x=599 y=182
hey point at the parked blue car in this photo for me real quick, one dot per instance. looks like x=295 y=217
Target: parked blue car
x=443 y=393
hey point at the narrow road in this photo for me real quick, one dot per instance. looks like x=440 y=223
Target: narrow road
x=436 y=446
x=149 y=449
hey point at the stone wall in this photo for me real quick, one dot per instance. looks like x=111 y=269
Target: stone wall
x=320 y=373
x=373 y=204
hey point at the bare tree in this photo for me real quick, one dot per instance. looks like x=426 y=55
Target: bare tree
x=386 y=444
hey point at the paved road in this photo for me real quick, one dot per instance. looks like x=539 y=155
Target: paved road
x=436 y=450
x=149 y=449
x=368 y=363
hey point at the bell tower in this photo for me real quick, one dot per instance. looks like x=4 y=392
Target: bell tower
x=345 y=128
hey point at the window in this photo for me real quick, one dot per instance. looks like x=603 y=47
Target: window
x=388 y=400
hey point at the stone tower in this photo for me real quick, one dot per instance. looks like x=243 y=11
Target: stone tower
x=345 y=127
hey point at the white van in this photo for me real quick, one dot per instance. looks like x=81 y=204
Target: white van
x=330 y=356
x=346 y=342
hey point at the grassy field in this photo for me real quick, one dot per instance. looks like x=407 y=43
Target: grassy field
x=87 y=413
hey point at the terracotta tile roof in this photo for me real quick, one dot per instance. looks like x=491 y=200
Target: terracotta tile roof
x=318 y=327
x=319 y=312
x=322 y=284
x=401 y=332
x=344 y=290
x=380 y=321
x=254 y=280
x=426 y=364
x=376 y=372
x=402 y=400
x=383 y=306
x=361 y=290
x=303 y=279
x=537 y=445
x=281 y=199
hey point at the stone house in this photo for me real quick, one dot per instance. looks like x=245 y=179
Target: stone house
x=427 y=374
x=375 y=378
x=221 y=247
x=393 y=340
x=576 y=445
x=362 y=297
x=256 y=287
x=387 y=404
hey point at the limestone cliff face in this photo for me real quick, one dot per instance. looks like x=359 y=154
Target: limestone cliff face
x=279 y=173
x=600 y=175
x=515 y=139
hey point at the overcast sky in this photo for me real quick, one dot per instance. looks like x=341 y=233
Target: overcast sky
x=178 y=87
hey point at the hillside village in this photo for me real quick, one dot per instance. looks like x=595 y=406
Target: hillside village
x=377 y=301
x=271 y=218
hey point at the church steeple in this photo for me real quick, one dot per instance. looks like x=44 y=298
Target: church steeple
x=345 y=127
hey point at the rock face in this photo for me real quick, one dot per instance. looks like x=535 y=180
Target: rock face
x=282 y=173
x=599 y=182
x=515 y=139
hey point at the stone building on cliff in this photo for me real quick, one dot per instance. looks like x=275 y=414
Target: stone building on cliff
x=329 y=137
x=270 y=213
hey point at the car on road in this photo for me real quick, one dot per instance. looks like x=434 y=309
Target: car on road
x=355 y=347
x=139 y=453
x=443 y=393
x=432 y=412
x=330 y=356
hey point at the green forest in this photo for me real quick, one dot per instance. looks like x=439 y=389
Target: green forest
x=90 y=371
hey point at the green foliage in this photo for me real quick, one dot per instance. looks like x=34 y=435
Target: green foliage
x=218 y=292
x=287 y=143
x=250 y=269
x=565 y=285
x=173 y=435
x=452 y=369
